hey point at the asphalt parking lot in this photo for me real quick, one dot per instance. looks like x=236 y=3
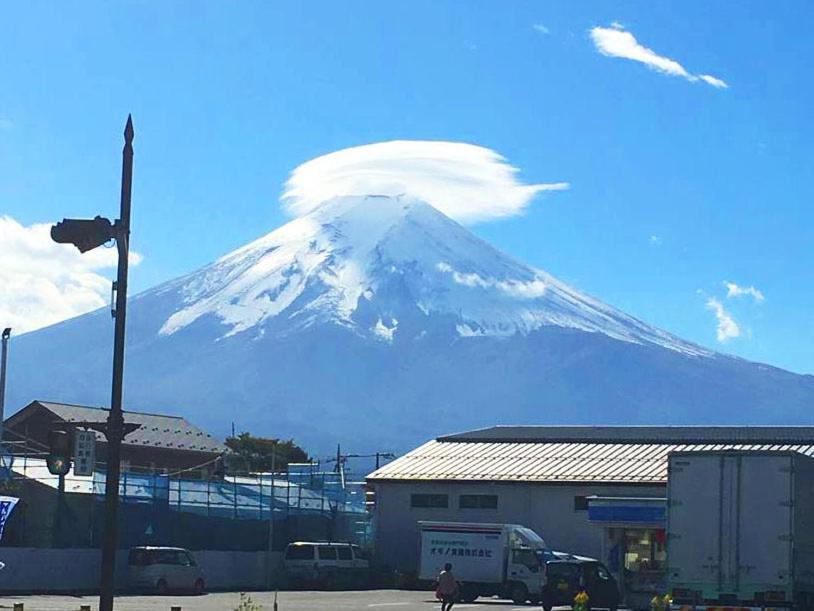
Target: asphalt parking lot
x=400 y=600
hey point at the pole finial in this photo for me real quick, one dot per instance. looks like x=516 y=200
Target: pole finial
x=128 y=129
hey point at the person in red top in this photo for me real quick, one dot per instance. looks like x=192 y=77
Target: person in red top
x=447 y=588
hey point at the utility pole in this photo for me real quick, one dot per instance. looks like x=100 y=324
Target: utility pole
x=87 y=234
x=3 y=358
x=115 y=419
x=57 y=524
x=271 y=515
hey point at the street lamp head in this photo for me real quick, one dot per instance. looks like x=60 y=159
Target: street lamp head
x=6 y=332
x=85 y=234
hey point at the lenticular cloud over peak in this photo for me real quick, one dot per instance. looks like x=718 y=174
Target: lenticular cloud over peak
x=466 y=182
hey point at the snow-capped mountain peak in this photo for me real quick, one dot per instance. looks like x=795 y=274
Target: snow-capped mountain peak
x=369 y=262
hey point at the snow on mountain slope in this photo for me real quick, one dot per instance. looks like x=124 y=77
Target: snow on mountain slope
x=392 y=255
x=378 y=323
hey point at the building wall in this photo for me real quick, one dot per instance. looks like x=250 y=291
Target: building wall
x=546 y=508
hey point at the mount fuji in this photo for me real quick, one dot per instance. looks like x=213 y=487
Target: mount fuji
x=379 y=322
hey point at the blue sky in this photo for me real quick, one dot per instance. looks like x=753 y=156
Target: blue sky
x=676 y=186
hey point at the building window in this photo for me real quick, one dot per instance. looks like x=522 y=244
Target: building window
x=478 y=501
x=429 y=500
x=580 y=503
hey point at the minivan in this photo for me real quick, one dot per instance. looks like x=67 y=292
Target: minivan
x=161 y=569
x=326 y=565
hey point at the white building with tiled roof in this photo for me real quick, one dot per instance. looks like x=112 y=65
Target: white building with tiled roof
x=557 y=480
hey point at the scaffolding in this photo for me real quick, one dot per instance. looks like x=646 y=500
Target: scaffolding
x=303 y=494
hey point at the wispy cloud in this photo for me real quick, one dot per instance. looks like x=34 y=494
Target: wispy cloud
x=44 y=282
x=734 y=291
x=655 y=240
x=616 y=41
x=466 y=182
x=715 y=82
x=539 y=27
x=727 y=326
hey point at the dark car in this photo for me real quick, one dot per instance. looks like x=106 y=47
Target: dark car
x=567 y=578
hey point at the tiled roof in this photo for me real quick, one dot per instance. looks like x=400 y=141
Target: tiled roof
x=171 y=432
x=639 y=434
x=598 y=455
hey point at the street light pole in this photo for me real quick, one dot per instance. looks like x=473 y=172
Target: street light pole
x=115 y=420
x=6 y=335
x=87 y=234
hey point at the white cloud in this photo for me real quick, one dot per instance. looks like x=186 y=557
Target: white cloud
x=655 y=240
x=733 y=291
x=616 y=41
x=715 y=82
x=727 y=326
x=43 y=282
x=539 y=27
x=466 y=182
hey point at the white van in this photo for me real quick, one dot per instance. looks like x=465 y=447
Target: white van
x=326 y=565
x=161 y=569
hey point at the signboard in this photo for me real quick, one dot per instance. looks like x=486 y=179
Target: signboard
x=84 y=452
x=7 y=503
x=475 y=552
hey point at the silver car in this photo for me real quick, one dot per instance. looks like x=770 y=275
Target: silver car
x=161 y=569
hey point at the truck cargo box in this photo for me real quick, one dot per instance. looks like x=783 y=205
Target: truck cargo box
x=740 y=528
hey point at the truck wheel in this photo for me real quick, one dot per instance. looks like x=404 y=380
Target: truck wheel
x=519 y=594
x=469 y=593
x=546 y=603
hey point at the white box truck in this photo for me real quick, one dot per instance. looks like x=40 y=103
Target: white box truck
x=487 y=559
x=740 y=529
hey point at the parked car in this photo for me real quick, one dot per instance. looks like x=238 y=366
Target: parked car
x=326 y=565
x=161 y=569
x=567 y=578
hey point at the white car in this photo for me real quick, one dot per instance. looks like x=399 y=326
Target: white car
x=326 y=565
x=161 y=569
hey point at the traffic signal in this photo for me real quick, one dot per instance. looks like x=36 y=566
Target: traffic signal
x=85 y=234
x=59 y=452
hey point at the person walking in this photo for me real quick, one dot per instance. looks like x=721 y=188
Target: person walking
x=447 y=588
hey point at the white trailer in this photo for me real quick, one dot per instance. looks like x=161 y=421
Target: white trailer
x=487 y=559
x=740 y=529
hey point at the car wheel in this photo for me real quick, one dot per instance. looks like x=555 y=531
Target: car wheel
x=519 y=594
x=161 y=587
x=200 y=586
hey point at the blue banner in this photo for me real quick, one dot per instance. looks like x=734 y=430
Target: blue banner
x=7 y=504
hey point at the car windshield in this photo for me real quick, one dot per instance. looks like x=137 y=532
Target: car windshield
x=300 y=552
x=531 y=539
